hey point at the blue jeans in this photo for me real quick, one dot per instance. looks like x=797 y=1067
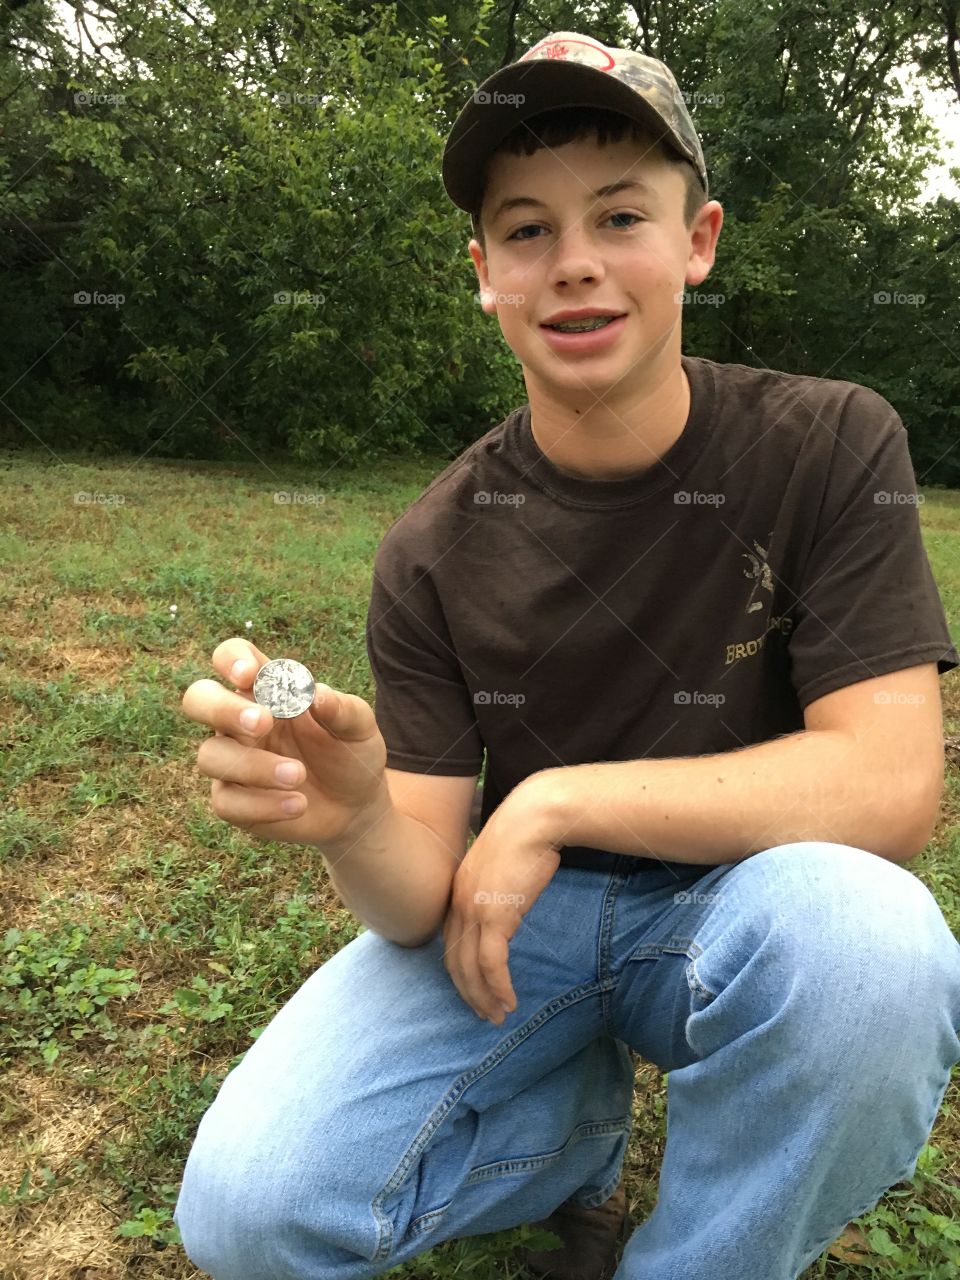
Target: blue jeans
x=805 y=1001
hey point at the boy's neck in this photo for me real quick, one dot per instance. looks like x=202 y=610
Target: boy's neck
x=614 y=439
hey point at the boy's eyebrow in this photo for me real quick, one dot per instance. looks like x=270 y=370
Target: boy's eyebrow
x=611 y=189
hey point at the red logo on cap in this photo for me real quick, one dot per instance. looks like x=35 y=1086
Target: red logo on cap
x=561 y=49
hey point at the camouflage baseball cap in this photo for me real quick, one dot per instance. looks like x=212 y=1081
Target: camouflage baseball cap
x=564 y=70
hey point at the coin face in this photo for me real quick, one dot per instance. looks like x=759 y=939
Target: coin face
x=284 y=687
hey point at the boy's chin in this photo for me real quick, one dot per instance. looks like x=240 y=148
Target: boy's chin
x=594 y=373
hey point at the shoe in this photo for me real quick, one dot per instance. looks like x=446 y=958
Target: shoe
x=590 y=1240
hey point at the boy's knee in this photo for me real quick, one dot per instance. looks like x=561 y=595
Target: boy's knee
x=231 y=1199
x=255 y=1204
x=215 y=1223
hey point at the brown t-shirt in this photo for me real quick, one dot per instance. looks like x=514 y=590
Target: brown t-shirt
x=772 y=555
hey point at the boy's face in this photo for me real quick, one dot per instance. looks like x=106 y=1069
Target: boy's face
x=576 y=251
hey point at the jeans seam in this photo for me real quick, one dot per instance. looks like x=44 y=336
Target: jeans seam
x=454 y=1094
x=501 y=1168
x=694 y=982
x=606 y=977
x=604 y=1194
x=680 y=947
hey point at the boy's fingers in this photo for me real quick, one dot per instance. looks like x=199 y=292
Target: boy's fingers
x=253 y=806
x=234 y=650
x=209 y=703
x=228 y=760
x=493 y=956
x=465 y=972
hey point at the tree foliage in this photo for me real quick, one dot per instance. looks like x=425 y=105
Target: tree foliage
x=249 y=195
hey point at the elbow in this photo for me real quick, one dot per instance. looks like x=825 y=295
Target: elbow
x=916 y=842
x=916 y=820
x=905 y=849
x=407 y=941
x=417 y=942
x=412 y=940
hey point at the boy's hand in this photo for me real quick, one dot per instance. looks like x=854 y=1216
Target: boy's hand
x=505 y=870
x=335 y=748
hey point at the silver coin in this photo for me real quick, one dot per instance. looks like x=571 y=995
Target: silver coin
x=284 y=687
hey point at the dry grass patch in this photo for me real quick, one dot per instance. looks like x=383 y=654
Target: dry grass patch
x=56 y=1123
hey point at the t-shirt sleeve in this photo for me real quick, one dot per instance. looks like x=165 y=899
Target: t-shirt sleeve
x=422 y=704
x=867 y=600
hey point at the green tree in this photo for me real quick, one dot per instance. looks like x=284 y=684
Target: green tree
x=300 y=158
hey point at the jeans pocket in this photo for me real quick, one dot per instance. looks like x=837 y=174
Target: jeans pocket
x=701 y=996
x=443 y=1198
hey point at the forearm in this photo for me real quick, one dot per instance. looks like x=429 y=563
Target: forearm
x=723 y=808
x=395 y=877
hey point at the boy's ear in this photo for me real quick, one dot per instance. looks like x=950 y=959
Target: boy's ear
x=487 y=294
x=703 y=242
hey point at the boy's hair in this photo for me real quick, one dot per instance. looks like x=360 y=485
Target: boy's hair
x=570 y=124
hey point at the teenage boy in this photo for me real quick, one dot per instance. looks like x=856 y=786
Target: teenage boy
x=685 y=610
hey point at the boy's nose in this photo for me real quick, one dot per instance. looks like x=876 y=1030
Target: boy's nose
x=576 y=257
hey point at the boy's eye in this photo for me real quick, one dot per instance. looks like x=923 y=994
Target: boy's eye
x=533 y=226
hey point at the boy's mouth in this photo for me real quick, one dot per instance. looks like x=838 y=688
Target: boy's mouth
x=583 y=325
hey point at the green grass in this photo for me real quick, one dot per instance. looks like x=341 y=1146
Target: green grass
x=145 y=946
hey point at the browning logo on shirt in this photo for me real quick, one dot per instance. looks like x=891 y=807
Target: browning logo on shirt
x=760 y=570
x=760 y=573
x=746 y=649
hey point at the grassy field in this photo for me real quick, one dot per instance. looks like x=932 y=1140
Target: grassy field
x=146 y=941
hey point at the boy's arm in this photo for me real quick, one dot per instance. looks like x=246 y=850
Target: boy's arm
x=867 y=772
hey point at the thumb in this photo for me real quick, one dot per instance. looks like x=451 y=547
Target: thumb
x=345 y=715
